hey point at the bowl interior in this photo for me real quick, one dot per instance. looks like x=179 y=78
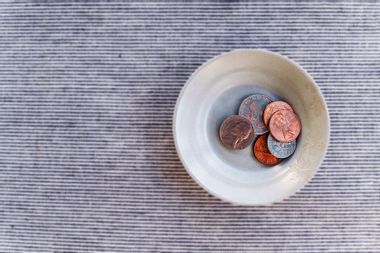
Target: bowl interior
x=215 y=92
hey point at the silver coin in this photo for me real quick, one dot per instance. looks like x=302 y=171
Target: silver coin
x=281 y=149
x=253 y=108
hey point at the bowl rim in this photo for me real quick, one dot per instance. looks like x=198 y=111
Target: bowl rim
x=183 y=90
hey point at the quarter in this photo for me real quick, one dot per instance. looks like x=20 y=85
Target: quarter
x=253 y=107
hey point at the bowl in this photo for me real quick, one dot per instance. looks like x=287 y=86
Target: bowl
x=214 y=92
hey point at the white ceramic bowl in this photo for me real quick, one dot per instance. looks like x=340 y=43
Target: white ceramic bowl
x=214 y=92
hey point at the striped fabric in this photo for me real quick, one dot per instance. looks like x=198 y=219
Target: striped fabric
x=87 y=161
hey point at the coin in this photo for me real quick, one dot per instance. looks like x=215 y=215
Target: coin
x=274 y=107
x=261 y=152
x=236 y=132
x=281 y=149
x=285 y=126
x=252 y=107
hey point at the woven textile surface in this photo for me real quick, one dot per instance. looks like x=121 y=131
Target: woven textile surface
x=87 y=160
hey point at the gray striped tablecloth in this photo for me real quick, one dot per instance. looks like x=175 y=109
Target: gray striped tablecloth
x=87 y=161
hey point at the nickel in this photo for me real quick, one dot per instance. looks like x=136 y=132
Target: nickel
x=252 y=107
x=236 y=132
x=285 y=126
x=274 y=107
x=281 y=149
x=261 y=152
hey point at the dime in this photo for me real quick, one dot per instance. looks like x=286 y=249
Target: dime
x=281 y=149
x=236 y=132
x=252 y=107
x=274 y=107
x=285 y=126
x=261 y=152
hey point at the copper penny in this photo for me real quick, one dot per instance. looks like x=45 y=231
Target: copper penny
x=236 y=132
x=261 y=152
x=274 y=107
x=285 y=126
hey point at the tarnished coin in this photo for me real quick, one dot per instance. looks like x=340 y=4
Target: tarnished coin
x=236 y=132
x=285 y=126
x=253 y=107
x=281 y=149
x=274 y=107
x=261 y=152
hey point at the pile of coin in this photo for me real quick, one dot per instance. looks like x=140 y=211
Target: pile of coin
x=258 y=115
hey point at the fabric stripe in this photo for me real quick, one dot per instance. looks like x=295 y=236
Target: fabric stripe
x=87 y=160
